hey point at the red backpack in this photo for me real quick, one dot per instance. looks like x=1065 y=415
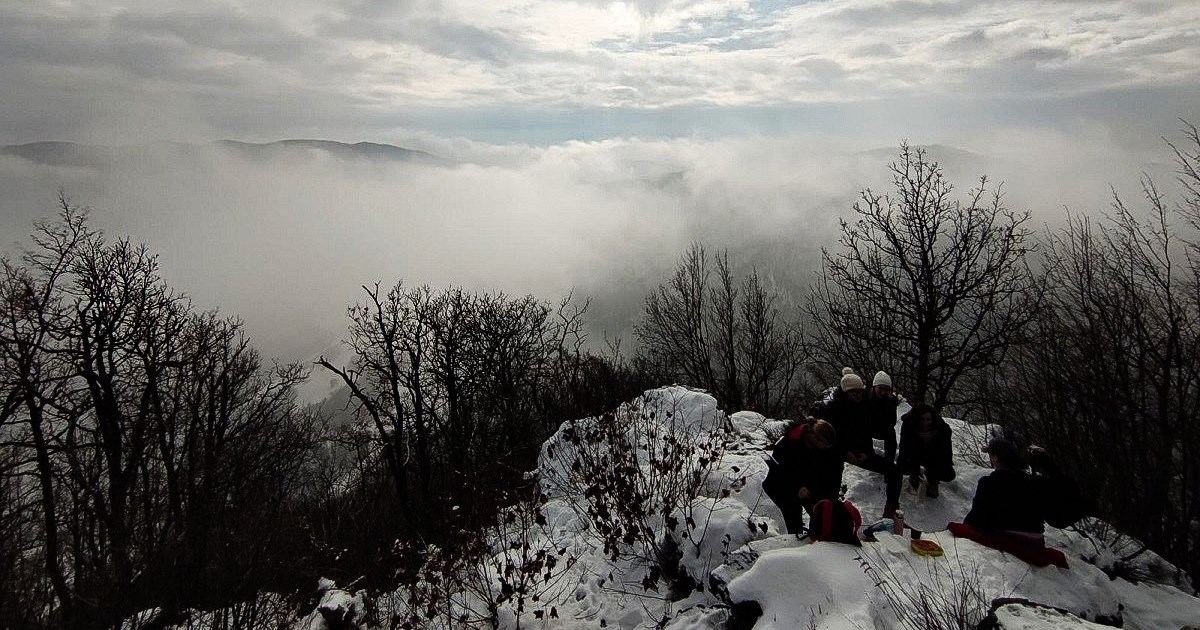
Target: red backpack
x=836 y=521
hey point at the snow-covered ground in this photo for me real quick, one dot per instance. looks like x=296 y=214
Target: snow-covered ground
x=741 y=562
x=834 y=586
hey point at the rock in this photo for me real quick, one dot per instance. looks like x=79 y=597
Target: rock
x=1010 y=613
x=340 y=609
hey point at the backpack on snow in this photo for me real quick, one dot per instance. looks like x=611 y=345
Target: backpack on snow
x=836 y=521
x=1065 y=501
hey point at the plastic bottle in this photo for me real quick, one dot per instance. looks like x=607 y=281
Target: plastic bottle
x=898 y=523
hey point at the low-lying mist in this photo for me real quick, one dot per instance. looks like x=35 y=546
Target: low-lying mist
x=286 y=240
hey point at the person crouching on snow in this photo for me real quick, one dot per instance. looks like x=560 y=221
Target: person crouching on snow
x=850 y=414
x=925 y=444
x=803 y=468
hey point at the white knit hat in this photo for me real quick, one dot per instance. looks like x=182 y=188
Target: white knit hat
x=881 y=378
x=850 y=380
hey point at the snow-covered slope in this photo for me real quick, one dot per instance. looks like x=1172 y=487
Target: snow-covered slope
x=744 y=571
x=743 y=556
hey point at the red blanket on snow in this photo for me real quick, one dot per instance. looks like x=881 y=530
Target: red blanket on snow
x=1030 y=551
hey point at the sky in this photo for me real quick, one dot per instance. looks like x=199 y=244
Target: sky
x=544 y=71
x=589 y=141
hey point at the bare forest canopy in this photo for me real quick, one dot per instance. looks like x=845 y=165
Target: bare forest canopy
x=150 y=456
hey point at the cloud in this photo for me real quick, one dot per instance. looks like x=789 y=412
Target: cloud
x=286 y=243
x=595 y=138
x=358 y=66
x=235 y=32
x=889 y=13
x=974 y=42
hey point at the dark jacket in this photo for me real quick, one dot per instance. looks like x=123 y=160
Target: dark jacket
x=882 y=413
x=916 y=452
x=796 y=465
x=1009 y=500
x=1020 y=501
x=851 y=420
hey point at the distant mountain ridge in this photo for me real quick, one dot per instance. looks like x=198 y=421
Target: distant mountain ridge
x=369 y=150
x=939 y=152
x=56 y=153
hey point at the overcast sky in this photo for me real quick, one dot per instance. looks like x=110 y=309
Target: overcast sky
x=590 y=140
x=543 y=71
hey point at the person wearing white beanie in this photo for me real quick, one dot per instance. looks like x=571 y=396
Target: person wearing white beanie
x=851 y=415
x=883 y=403
x=851 y=381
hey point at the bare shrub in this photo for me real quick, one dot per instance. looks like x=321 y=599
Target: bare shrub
x=952 y=597
x=633 y=474
x=509 y=571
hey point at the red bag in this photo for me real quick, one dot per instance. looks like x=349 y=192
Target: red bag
x=836 y=521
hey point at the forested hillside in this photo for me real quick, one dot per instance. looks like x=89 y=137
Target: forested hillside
x=152 y=460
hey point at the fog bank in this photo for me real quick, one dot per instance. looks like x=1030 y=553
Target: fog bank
x=285 y=241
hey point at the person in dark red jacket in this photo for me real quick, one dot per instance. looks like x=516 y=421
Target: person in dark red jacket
x=803 y=468
x=850 y=413
x=925 y=444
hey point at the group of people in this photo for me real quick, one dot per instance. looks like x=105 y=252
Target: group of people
x=806 y=464
x=1010 y=505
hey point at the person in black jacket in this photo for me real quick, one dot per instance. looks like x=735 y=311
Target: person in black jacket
x=1011 y=507
x=882 y=403
x=804 y=467
x=851 y=415
x=1009 y=499
x=925 y=443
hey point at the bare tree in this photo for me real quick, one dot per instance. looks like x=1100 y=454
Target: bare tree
x=1112 y=370
x=706 y=329
x=31 y=305
x=934 y=286
x=455 y=385
x=146 y=429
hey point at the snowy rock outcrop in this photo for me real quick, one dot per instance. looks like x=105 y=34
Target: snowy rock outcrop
x=733 y=565
x=1018 y=614
x=742 y=560
x=339 y=609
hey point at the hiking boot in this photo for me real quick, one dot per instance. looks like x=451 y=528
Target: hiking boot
x=914 y=482
x=931 y=489
x=889 y=510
